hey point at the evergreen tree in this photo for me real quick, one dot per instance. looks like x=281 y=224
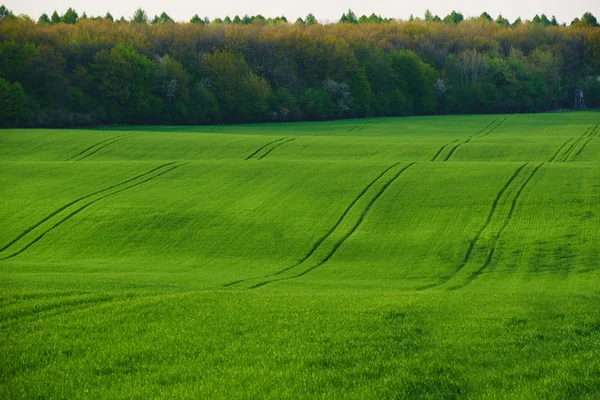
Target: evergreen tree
x=139 y=17
x=44 y=20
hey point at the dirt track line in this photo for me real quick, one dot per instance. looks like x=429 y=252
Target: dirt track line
x=496 y=127
x=454 y=149
x=274 y=147
x=559 y=150
x=54 y=213
x=97 y=144
x=507 y=220
x=582 y=148
x=348 y=234
x=465 y=142
x=442 y=149
x=262 y=147
x=481 y=230
x=488 y=126
x=567 y=154
x=102 y=147
x=327 y=234
x=46 y=218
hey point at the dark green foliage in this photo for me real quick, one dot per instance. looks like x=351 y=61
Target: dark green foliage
x=589 y=19
x=55 y=19
x=454 y=18
x=44 y=20
x=196 y=20
x=265 y=69
x=485 y=16
x=70 y=17
x=5 y=13
x=13 y=103
x=124 y=79
x=241 y=94
x=140 y=17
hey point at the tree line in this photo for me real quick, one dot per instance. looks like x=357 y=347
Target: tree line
x=72 y=70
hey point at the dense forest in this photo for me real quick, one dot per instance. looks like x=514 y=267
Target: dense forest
x=75 y=70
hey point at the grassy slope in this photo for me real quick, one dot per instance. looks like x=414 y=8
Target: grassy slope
x=415 y=257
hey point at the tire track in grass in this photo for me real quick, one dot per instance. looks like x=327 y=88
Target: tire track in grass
x=83 y=207
x=513 y=206
x=477 y=236
x=496 y=127
x=262 y=147
x=487 y=127
x=582 y=148
x=274 y=147
x=567 y=154
x=591 y=136
x=559 y=150
x=318 y=243
x=477 y=135
x=346 y=236
x=46 y=218
x=82 y=153
x=442 y=149
x=102 y=147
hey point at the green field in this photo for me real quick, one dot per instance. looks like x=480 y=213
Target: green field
x=422 y=257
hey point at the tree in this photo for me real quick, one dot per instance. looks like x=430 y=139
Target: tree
x=55 y=18
x=486 y=17
x=44 y=20
x=109 y=17
x=197 y=20
x=454 y=18
x=317 y=104
x=5 y=13
x=242 y=95
x=502 y=21
x=589 y=19
x=544 y=20
x=70 y=17
x=310 y=20
x=13 y=103
x=428 y=16
x=139 y=17
x=124 y=78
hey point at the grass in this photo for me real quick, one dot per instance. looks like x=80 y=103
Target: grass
x=426 y=257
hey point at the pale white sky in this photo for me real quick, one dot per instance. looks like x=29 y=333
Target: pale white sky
x=330 y=10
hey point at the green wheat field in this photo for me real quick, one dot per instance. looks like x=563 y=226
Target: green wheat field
x=421 y=257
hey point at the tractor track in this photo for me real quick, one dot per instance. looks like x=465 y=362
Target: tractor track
x=347 y=235
x=318 y=243
x=262 y=147
x=327 y=234
x=589 y=132
x=481 y=230
x=442 y=149
x=591 y=136
x=559 y=150
x=507 y=220
x=496 y=127
x=111 y=140
x=77 y=211
x=46 y=218
x=274 y=147
x=478 y=134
